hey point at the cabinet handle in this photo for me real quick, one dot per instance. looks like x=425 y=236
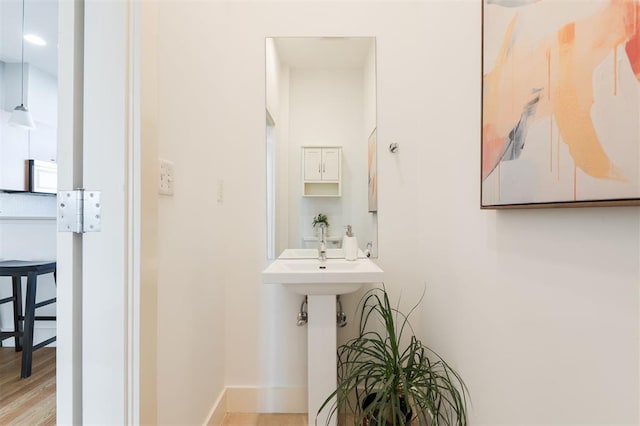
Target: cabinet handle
x=318 y=167
x=323 y=169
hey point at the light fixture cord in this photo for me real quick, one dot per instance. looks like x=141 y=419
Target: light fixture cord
x=22 y=60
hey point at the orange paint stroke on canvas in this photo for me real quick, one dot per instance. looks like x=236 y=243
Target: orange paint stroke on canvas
x=632 y=47
x=558 y=158
x=575 y=183
x=551 y=146
x=577 y=48
x=615 y=71
x=493 y=143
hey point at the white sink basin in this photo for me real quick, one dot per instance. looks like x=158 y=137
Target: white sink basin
x=313 y=277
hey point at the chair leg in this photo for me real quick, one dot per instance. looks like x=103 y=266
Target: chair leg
x=29 y=318
x=17 y=311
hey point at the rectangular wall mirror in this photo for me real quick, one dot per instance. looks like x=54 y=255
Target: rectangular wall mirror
x=321 y=141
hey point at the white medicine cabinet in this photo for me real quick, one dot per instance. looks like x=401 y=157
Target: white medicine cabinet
x=322 y=171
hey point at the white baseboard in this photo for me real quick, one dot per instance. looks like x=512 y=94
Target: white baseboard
x=253 y=399
x=266 y=399
x=219 y=409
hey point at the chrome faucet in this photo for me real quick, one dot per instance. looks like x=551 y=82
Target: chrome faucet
x=322 y=245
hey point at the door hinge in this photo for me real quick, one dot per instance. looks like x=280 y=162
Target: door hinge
x=79 y=211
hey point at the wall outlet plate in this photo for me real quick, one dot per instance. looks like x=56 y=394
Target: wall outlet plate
x=165 y=184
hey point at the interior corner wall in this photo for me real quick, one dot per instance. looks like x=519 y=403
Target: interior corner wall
x=537 y=309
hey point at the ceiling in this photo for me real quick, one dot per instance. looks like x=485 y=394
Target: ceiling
x=323 y=52
x=41 y=18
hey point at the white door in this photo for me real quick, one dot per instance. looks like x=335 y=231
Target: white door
x=96 y=361
x=312 y=158
x=330 y=164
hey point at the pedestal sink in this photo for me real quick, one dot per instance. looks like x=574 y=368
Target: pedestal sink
x=321 y=281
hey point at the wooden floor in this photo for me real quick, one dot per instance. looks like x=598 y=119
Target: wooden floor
x=30 y=401
x=253 y=419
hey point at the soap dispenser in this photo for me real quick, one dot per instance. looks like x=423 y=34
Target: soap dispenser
x=350 y=244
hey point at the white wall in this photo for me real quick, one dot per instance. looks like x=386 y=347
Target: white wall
x=40 y=91
x=11 y=85
x=42 y=96
x=537 y=309
x=148 y=232
x=326 y=110
x=191 y=247
x=18 y=144
x=2 y=78
x=14 y=149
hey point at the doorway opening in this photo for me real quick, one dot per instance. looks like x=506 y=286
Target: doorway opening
x=28 y=77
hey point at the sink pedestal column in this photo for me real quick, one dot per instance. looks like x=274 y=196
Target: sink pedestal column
x=321 y=355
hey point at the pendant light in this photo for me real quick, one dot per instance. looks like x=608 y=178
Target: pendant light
x=21 y=117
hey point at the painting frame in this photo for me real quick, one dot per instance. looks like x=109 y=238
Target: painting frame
x=504 y=136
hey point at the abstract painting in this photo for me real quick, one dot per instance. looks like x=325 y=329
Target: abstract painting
x=560 y=103
x=372 y=163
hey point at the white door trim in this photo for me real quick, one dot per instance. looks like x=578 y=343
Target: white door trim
x=134 y=218
x=69 y=245
x=98 y=321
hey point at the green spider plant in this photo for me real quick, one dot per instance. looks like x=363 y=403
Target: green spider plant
x=395 y=374
x=320 y=218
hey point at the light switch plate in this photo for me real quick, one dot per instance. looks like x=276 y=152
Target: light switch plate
x=165 y=184
x=220 y=191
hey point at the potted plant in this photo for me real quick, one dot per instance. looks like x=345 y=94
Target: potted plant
x=394 y=377
x=319 y=219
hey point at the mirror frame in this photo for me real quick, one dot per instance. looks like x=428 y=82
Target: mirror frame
x=367 y=231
